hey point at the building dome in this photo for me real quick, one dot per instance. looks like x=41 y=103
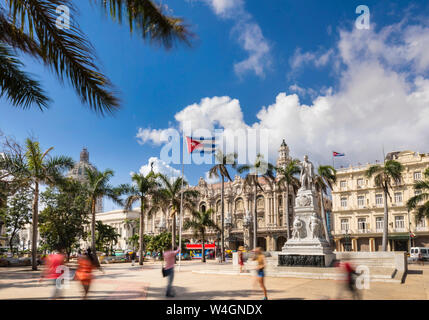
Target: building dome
x=79 y=169
x=78 y=172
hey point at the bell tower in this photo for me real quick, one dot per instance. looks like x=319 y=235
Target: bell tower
x=284 y=157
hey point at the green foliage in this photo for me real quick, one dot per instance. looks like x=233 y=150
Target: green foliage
x=17 y=214
x=200 y=223
x=416 y=201
x=133 y=241
x=105 y=237
x=384 y=175
x=64 y=217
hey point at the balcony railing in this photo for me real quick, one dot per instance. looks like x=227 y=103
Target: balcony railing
x=399 y=230
x=364 y=231
x=420 y=228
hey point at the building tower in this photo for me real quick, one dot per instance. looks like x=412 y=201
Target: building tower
x=284 y=157
x=78 y=173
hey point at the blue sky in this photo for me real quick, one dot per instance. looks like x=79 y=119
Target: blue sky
x=310 y=52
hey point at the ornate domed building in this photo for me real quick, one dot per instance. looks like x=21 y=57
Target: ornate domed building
x=78 y=173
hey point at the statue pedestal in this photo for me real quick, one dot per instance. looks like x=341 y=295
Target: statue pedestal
x=307 y=247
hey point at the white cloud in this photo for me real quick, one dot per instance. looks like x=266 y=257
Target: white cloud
x=382 y=100
x=224 y=7
x=249 y=36
x=157 y=137
x=159 y=166
x=212 y=179
x=319 y=59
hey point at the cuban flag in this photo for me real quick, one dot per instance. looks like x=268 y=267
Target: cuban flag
x=202 y=145
x=337 y=154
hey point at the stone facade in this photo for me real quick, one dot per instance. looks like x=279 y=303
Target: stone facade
x=238 y=213
x=358 y=208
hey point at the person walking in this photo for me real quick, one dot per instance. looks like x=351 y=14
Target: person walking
x=260 y=275
x=241 y=259
x=84 y=272
x=350 y=275
x=53 y=272
x=133 y=258
x=170 y=259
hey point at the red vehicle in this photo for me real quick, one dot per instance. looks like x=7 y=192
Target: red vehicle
x=210 y=249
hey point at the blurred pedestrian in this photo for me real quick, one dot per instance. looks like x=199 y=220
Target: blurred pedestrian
x=349 y=275
x=133 y=258
x=260 y=275
x=170 y=259
x=241 y=259
x=84 y=272
x=53 y=272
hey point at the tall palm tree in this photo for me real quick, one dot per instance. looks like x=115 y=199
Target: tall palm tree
x=34 y=169
x=415 y=202
x=260 y=168
x=383 y=176
x=143 y=187
x=98 y=188
x=325 y=178
x=287 y=179
x=30 y=27
x=199 y=223
x=220 y=169
x=171 y=192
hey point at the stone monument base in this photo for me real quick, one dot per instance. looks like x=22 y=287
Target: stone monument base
x=306 y=253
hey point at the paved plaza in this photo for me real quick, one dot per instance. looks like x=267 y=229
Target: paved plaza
x=123 y=281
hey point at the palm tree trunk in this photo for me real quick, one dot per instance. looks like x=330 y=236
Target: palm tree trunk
x=141 y=233
x=255 y=219
x=173 y=233
x=204 y=250
x=93 y=247
x=222 y=236
x=386 y=223
x=35 y=227
x=325 y=223
x=286 y=205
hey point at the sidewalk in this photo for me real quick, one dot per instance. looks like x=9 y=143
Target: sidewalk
x=122 y=281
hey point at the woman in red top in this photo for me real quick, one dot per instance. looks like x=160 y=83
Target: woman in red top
x=84 y=271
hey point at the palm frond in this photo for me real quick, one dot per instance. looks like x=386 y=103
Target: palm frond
x=149 y=20
x=17 y=86
x=66 y=51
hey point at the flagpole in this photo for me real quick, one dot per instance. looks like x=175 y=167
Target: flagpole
x=181 y=205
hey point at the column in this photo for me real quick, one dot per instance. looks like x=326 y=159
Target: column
x=266 y=210
x=337 y=244
x=354 y=244
x=285 y=203
x=275 y=208
x=371 y=244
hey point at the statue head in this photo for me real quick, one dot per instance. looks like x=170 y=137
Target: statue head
x=305 y=158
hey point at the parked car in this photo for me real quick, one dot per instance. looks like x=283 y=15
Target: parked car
x=415 y=252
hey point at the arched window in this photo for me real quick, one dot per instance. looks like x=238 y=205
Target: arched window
x=260 y=202
x=203 y=207
x=239 y=205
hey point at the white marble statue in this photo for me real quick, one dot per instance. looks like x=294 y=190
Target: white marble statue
x=307 y=174
x=315 y=226
x=297 y=227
